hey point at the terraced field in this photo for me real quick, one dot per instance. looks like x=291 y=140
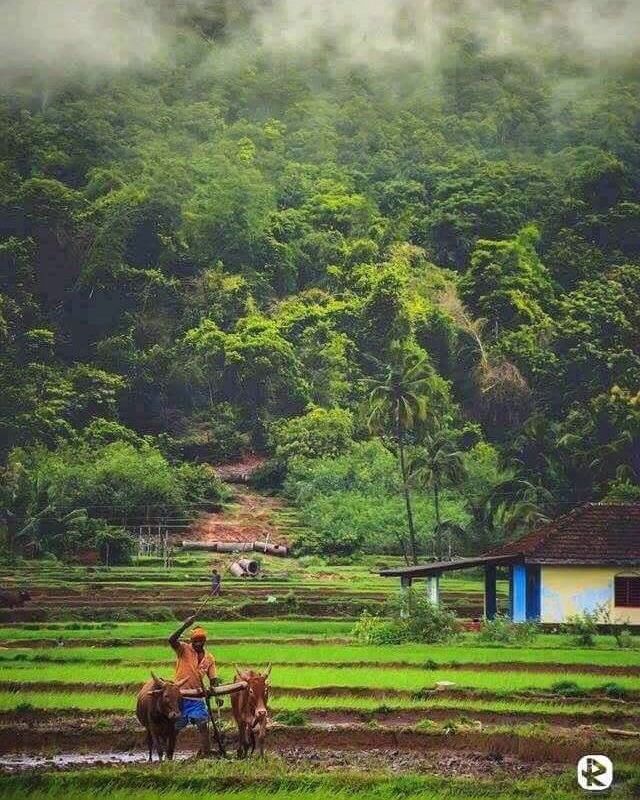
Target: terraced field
x=457 y=720
x=148 y=591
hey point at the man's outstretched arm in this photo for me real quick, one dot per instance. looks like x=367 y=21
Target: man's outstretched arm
x=174 y=639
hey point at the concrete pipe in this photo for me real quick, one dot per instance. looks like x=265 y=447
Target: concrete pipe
x=250 y=567
x=236 y=570
x=232 y=547
x=209 y=546
x=276 y=550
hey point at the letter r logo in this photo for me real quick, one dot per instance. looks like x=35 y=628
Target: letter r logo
x=595 y=773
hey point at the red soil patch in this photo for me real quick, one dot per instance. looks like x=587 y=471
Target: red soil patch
x=249 y=519
x=240 y=471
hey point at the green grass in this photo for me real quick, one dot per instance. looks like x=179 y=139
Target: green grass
x=327 y=653
x=269 y=780
x=124 y=702
x=123 y=631
x=316 y=677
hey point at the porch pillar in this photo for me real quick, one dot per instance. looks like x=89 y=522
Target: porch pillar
x=518 y=593
x=405 y=586
x=433 y=589
x=490 y=594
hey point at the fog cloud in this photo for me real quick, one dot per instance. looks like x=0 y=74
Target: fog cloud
x=51 y=39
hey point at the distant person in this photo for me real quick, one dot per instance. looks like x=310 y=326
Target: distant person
x=216 y=580
x=193 y=664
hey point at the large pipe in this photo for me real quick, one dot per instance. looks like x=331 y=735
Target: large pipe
x=250 y=567
x=236 y=570
x=219 y=547
x=271 y=549
x=238 y=547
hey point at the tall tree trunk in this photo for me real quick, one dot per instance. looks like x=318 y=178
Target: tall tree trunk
x=407 y=500
x=436 y=501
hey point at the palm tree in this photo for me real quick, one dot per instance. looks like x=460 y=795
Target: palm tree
x=440 y=464
x=397 y=401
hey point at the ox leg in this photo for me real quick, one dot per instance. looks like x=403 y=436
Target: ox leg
x=262 y=732
x=252 y=739
x=150 y=745
x=157 y=742
x=240 y=741
x=171 y=745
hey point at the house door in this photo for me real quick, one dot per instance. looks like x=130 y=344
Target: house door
x=533 y=592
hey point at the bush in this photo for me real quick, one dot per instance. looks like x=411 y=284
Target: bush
x=201 y=485
x=270 y=476
x=623 y=637
x=413 y=619
x=614 y=690
x=567 y=689
x=353 y=503
x=583 y=627
x=320 y=432
x=501 y=630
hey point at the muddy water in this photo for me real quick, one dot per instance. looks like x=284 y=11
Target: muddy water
x=19 y=762
x=374 y=760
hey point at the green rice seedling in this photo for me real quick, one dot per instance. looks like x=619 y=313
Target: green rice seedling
x=293 y=718
x=406 y=679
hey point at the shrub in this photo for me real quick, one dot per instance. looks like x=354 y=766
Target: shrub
x=583 y=627
x=320 y=432
x=614 y=690
x=413 y=618
x=567 y=689
x=501 y=630
x=201 y=485
x=623 y=637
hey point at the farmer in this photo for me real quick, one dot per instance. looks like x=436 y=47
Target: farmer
x=215 y=583
x=193 y=663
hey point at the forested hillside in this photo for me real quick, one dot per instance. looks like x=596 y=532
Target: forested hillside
x=235 y=242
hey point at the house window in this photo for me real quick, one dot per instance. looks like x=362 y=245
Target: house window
x=627 y=591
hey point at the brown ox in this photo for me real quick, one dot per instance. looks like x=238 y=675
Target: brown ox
x=158 y=708
x=250 y=710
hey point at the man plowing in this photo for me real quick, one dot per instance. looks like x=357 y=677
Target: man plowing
x=193 y=665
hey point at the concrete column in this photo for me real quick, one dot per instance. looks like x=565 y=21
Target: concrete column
x=433 y=589
x=405 y=586
x=490 y=594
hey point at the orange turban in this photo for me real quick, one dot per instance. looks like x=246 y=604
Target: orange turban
x=198 y=633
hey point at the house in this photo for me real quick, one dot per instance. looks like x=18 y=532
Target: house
x=583 y=560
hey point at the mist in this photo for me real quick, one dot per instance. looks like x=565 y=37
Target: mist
x=51 y=40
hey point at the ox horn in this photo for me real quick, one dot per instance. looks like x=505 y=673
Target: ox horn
x=240 y=672
x=156 y=678
x=267 y=671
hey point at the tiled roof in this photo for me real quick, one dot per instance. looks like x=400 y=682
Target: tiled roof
x=596 y=533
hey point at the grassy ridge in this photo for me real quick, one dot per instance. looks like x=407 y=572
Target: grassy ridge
x=317 y=677
x=269 y=780
x=123 y=702
x=284 y=628
x=326 y=653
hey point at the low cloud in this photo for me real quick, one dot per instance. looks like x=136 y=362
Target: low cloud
x=49 y=40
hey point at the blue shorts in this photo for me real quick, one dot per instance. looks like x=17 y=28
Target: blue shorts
x=194 y=711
